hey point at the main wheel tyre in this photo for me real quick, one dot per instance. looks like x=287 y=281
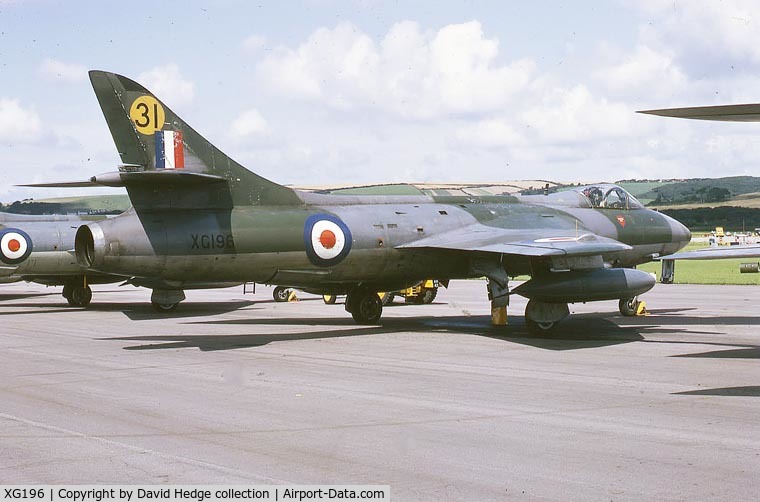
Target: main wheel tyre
x=367 y=309
x=281 y=294
x=164 y=308
x=79 y=296
x=628 y=306
x=540 y=327
x=329 y=299
x=429 y=295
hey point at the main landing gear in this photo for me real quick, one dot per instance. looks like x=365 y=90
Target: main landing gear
x=541 y=317
x=77 y=293
x=166 y=300
x=364 y=305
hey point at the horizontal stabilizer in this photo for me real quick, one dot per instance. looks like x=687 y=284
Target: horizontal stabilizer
x=62 y=184
x=727 y=113
x=122 y=179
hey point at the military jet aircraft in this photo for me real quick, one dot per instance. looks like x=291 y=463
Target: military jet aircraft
x=724 y=113
x=200 y=216
x=41 y=249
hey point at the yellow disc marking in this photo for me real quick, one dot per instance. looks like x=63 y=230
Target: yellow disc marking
x=147 y=115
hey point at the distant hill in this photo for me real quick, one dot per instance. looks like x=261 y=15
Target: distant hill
x=696 y=192
x=88 y=204
x=704 y=219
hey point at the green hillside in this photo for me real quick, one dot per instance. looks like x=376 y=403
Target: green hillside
x=89 y=204
x=699 y=190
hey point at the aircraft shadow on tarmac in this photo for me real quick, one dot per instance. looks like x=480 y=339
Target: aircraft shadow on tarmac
x=135 y=312
x=747 y=352
x=8 y=297
x=574 y=335
x=583 y=331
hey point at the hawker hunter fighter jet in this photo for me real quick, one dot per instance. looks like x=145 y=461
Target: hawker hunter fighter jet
x=200 y=216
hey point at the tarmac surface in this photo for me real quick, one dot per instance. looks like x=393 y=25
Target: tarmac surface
x=235 y=388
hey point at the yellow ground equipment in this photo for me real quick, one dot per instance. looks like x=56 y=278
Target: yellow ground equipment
x=422 y=293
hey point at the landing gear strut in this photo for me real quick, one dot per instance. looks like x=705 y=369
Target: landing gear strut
x=365 y=306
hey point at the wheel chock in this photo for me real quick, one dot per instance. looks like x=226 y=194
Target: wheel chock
x=499 y=316
x=292 y=296
x=641 y=309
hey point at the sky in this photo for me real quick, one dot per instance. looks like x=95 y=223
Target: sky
x=323 y=92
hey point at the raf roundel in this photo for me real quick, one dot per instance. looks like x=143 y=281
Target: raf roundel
x=15 y=246
x=327 y=239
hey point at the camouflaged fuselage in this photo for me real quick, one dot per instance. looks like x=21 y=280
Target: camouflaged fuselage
x=267 y=244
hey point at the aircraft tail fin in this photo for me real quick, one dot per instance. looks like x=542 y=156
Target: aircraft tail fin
x=151 y=137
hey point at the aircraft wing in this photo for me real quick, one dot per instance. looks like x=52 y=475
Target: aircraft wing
x=713 y=253
x=544 y=242
x=727 y=113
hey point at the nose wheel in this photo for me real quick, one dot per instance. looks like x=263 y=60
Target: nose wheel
x=281 y=294
x=630 y=307
x=365 y=306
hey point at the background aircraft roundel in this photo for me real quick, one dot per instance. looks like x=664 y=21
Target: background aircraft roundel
x=15 y=246
x=327 y=239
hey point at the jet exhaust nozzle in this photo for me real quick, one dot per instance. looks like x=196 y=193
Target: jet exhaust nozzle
x=89 y=245
x=587 y=285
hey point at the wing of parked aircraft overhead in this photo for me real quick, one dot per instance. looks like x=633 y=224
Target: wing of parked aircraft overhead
x=727 y=113
x=717 y=253
x=545 y=242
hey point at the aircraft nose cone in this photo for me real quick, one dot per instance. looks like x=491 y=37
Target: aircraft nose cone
x=680 y=234
x=683 y=234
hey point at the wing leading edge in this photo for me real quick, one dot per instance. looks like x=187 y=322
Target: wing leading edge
x=481 y=238
x=746 y=251
x=726 y=113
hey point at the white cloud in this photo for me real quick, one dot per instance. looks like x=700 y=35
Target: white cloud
x=166 y=83
x=708 y=37
x=17 y=123
x=254 y=42
x=409 y=73
x=489 y=133
x=576 y=115
x=68 y=72
x=644 y=69
x=249 y=123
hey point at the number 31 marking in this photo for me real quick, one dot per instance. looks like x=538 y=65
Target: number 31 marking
x=147 y=114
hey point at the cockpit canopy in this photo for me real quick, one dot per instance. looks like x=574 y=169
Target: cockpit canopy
x=608 y=196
